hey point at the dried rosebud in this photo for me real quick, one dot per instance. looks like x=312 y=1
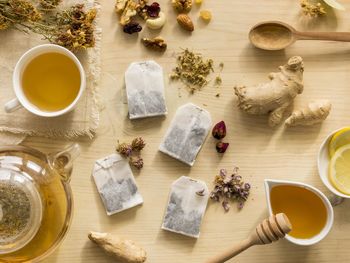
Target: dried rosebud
x=221 y=147
x=219 y=130
x=124 y=149
x=132 y=27
x=153 y=10
x=138 y=144
x=136 y=161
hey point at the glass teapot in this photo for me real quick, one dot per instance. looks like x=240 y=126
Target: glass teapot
x=35 y=201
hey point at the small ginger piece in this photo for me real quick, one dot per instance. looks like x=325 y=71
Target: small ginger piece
x=275 y=96
x=315 y=112
x=121 y=249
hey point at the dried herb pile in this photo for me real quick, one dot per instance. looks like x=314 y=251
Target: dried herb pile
x=230 y=187
x=71 y=28
x=15 y=210
x=192 y=70
x=312 y=9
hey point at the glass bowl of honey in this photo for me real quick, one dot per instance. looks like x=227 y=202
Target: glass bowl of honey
x=36 y=203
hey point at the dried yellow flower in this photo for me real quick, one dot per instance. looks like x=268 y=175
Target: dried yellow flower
x=192 y=70
x=311 y=9
x=198 y=2
x=205 y=15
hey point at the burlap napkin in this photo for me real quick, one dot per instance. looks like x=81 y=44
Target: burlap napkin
x=83 y=120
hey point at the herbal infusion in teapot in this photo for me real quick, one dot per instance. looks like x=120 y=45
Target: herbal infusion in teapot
x=51 y=81
x=305 y=210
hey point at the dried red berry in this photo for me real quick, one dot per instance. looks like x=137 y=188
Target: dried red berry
x=132 y=27
x=153 y=9
x=221 y=147
x=219 y=130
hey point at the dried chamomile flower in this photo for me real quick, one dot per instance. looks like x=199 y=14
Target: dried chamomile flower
x=124 y=149
x=138 y=144
x=157 y=43
x=48 y=5
x=230 y=187
x=136 y=161
x=312 y=10
x=192 y=70
x=198 y=2
x=205 y=15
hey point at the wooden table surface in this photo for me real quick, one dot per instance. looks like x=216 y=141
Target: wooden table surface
x=259 y=151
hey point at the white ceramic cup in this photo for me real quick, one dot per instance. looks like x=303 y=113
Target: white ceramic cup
x=323 y=160
x=21 y=100
x=269 y=184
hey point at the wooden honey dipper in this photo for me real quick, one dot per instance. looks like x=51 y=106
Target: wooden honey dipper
x=270 y=230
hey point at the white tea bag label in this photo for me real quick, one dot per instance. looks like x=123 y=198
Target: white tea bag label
x=186 y=207
x=116 y=184
x=145 y=90
x=187 y=133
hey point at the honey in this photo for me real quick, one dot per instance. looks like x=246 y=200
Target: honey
x=305 y=210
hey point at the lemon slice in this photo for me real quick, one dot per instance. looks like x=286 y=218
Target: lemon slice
x=339 y=169
x=338 y=140
x=334 y=4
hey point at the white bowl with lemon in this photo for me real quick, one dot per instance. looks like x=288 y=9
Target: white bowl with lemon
x=334 y=162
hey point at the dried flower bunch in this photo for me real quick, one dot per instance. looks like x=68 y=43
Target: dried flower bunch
x=192 y=70
x=71 y=28
x=312 y=9
x=230 y=187
x=219 y=132
x=132 y=151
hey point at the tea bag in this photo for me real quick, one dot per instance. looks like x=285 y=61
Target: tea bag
x=186 y=207
x=186 y=134
x=145 y=90
x=116 y=184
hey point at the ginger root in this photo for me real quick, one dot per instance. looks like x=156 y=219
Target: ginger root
x=121 y=249
x=275 y=96
x=315 y=112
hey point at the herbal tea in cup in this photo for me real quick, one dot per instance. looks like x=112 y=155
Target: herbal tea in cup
x=48 y=81
x=307 y=208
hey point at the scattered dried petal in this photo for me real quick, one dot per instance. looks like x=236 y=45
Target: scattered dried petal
x=230 y=187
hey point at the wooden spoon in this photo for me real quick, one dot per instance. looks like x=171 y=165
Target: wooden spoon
x=275 y=35
x=270 y=230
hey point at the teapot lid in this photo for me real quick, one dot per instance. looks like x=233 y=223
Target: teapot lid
x=20 y=209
